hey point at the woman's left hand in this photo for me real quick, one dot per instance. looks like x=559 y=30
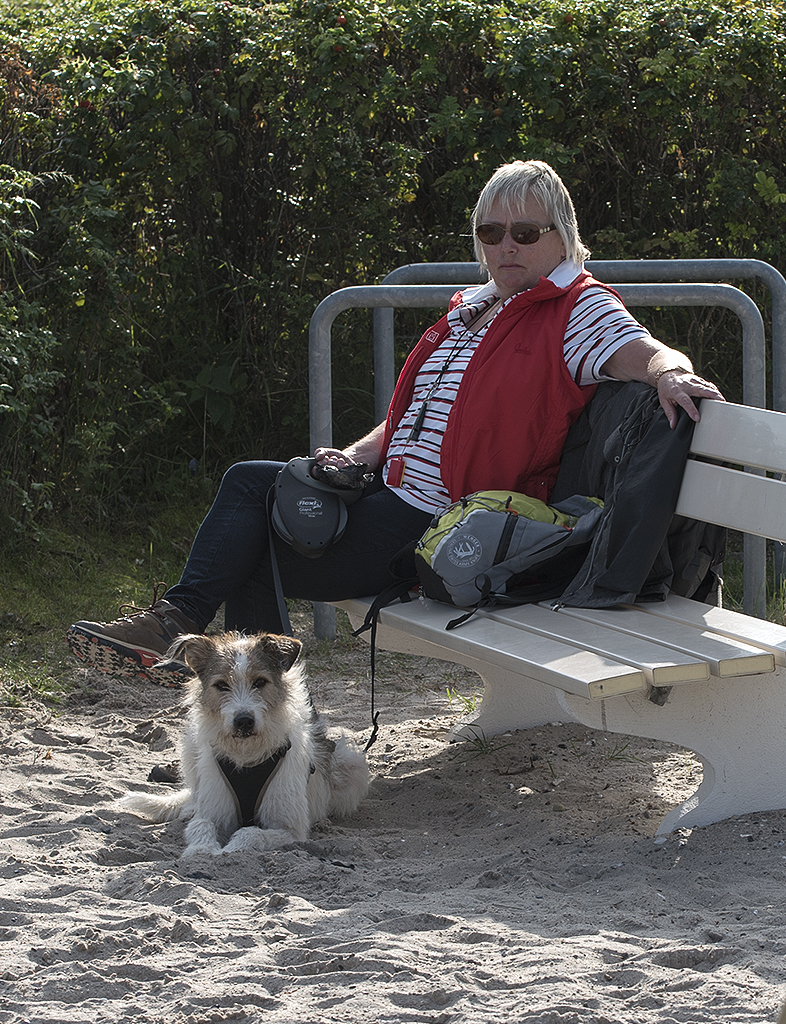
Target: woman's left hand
x=679 y=388
x=333 y=457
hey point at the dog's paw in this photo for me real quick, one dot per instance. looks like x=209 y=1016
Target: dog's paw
x=201 y=849
x=202 y=837
x=254 y=838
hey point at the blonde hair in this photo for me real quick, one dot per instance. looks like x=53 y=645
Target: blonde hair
x=512 y=183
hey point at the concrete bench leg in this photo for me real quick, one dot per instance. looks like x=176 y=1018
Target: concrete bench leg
x=510 y=702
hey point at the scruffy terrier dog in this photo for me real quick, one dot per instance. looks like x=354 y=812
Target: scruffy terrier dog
x=258 y=768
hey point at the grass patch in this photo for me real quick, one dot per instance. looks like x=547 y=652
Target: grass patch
x=733 y=581
x=479 y=745
x=75 y=570
x=468 y=703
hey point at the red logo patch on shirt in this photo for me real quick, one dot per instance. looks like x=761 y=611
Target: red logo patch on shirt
x=432 y=336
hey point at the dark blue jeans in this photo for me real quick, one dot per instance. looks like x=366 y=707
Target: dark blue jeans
x=229 y=562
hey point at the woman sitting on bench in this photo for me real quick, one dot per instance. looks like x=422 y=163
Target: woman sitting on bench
x=484 y=401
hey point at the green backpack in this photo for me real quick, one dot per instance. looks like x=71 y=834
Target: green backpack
x=498 y=547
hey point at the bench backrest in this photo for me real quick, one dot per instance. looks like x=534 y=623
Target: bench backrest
x=723 y=494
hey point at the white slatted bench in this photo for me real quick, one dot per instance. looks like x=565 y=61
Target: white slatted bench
x=704 y=678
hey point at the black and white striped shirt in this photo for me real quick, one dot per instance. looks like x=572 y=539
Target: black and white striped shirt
x=598 y=326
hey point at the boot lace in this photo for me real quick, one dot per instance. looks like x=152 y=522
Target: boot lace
x=127 y=610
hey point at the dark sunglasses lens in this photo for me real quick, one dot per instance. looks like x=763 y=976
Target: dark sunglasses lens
x=490 y=234
x=524 y=234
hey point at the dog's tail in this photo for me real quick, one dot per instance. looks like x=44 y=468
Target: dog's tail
x=158 y=807
x=349 y=778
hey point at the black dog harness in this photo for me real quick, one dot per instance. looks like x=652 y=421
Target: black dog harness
x=248 y=785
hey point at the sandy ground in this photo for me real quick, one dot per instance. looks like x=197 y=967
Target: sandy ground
x=516 y=880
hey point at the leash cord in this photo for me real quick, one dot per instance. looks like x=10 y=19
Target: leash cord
x=374 y=714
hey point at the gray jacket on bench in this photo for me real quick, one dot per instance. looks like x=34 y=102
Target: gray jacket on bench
x=622 y=449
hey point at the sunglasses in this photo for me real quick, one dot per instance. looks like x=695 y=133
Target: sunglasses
x=522 y=234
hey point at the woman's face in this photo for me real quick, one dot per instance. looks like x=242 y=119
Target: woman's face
x=515 y=267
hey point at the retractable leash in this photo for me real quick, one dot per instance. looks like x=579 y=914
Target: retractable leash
x=310 y=515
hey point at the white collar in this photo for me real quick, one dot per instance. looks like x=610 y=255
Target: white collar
x=566 y=273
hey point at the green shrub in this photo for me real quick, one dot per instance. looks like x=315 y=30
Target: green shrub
x=187 y=180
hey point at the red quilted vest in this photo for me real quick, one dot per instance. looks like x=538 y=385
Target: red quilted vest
x=516 y=401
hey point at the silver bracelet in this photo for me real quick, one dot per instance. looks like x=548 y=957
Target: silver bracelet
x=668 y=369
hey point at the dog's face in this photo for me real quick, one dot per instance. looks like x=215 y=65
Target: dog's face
x=242 y=681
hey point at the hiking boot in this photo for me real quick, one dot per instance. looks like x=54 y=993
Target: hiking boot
x=136 y=644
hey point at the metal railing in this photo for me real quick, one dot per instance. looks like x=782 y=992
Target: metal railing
x=608 y=271
x=385 y=297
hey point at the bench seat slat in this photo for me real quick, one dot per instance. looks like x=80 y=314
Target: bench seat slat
x=769 y=636
x=728 y=497
x=726 y=657
x=661 y=664
x=548 y=661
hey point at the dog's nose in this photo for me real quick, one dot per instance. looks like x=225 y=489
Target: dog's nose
x=244 y=724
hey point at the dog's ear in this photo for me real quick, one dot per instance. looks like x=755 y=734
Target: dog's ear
x=192 y=648
x=284 y=648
